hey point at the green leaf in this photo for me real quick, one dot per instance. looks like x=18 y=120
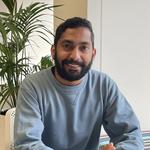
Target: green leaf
x=10 y=4
x=17 y=27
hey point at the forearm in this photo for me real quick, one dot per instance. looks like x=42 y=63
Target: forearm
x=121 y=123
x=28 y=126
x=127 y=144
x=130 y=145
x=129 y=141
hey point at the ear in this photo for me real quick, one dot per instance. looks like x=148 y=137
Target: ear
x=94 y=52
x=53 y=51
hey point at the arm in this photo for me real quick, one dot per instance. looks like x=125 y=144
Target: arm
x=28 y=123
x=120 y=122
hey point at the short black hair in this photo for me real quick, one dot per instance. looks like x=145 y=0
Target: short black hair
x=74 y=22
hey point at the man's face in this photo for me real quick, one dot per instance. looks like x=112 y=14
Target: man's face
x=74 y=53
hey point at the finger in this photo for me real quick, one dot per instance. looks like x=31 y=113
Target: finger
x=108 y=147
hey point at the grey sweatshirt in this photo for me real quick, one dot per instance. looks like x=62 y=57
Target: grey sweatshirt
x=52 y=116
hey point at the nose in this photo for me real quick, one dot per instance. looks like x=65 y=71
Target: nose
x=75 y=53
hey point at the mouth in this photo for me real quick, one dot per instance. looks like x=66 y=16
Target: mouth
x=74 y=67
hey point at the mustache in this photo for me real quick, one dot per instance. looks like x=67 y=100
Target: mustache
x=74 y=62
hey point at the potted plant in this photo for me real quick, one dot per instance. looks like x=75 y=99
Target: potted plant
x=17 y=26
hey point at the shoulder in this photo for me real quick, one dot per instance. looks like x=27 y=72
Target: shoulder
x=101 y=79
x=39 y=78
x=98 y=75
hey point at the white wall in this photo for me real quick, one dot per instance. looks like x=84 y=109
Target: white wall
x=125 y=49
x=41 y=48
x=94 y=15
x=2 y=8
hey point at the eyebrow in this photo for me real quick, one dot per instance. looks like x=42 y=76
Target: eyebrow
x=67 y=41
x=71 y=42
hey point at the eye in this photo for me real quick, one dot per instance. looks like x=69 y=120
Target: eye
x=84 y=48
x=67 y=46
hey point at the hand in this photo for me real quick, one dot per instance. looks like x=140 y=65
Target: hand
x=108 y=147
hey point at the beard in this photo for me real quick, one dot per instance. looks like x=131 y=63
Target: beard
x=70 y=74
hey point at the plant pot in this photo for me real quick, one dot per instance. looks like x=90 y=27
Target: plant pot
x=7 y=129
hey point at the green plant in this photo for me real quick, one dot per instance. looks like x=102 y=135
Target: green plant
x=44 y=63
x=16 y=29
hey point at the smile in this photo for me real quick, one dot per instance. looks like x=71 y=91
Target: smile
x=72 y=66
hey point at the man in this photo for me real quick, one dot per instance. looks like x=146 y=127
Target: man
x=63 y=107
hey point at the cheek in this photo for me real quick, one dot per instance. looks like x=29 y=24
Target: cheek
x=63 y=55
x=87 y=58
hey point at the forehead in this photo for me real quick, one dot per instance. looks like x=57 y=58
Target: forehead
x=77 y=34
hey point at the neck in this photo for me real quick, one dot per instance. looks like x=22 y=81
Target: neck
x=65 y=82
